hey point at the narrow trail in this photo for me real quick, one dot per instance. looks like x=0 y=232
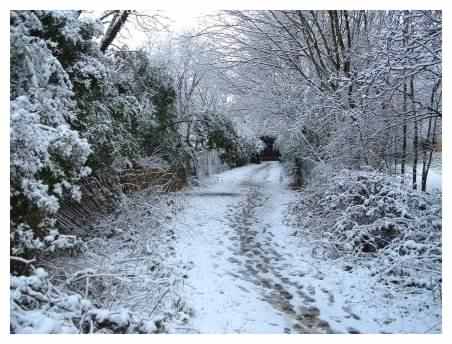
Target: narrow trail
x=242 y=275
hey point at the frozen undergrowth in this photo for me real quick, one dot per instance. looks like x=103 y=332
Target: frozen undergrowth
x=372 y=220
x=123 y=282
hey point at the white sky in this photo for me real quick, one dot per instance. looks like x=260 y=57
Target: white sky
x=185 y=18
x=179 y=20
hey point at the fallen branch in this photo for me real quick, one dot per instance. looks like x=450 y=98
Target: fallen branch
x=22 y=260
x=158 y=302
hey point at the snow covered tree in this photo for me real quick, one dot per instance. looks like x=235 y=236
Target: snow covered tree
x=47 y=156
x=337 y=80
x=69 y=100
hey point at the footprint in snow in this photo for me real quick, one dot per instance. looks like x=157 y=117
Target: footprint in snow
x=311 y=289
x=233 y=260
x=243 y=289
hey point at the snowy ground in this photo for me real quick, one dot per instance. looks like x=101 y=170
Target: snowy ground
x=222 y=258
x=246 y=272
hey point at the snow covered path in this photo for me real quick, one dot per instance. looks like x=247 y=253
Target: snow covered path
x=234 y=244
x=245 y=271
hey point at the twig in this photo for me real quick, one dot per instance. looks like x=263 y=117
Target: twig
x=119 y=277
x=432 y=327
x=158 y=302
x=22 y=260
x=87 y=287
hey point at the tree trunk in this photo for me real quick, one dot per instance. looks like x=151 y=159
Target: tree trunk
x=404 y=135
x=428 y=161
x=415 y=136
x=404 y=106
x=431 y=138
x=115 y=26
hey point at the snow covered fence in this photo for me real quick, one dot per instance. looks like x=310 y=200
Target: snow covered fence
x=100 y=194
x=151 y=171
x=208 y=163
x=161 y=179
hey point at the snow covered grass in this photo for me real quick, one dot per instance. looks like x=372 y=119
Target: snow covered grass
x=123 y=281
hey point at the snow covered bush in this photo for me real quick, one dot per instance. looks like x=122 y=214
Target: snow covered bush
x=38 y=306
x=125 y=106
x=129 y=258
x=251 y=148
x=74 y=107
x=74 y=111
x=372 y=215
x=47 y=156
x=298 y=151
x=236 y=149
x=107 y=117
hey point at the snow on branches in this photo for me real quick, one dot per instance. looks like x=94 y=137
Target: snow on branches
x=373 y=216
x=38 y=306
x=47 y=156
